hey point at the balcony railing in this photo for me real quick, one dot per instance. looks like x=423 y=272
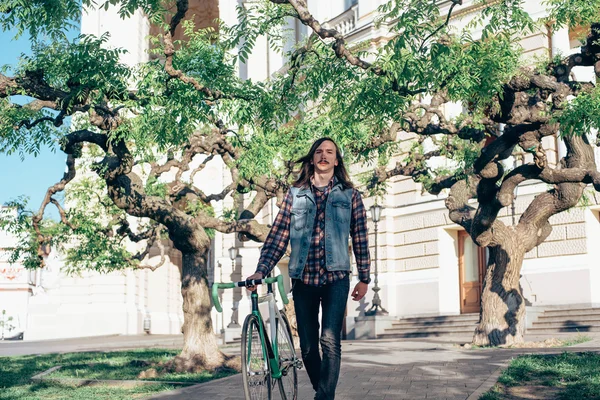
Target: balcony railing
x=345 y=22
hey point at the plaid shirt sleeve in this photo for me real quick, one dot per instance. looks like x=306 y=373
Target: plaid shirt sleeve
x=277 y=239
x=360 y=240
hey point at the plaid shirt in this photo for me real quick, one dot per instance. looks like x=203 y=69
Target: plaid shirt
x=315 y=272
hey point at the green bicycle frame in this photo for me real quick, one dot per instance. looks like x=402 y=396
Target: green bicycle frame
x=269 y=349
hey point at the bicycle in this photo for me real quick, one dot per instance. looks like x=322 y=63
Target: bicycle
x=264 y=361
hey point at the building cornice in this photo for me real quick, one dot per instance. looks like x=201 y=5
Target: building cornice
x=471 y=9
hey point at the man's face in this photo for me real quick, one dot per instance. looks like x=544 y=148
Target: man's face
x=325 y=158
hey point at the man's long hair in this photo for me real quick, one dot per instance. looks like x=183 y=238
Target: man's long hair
x=307 y=169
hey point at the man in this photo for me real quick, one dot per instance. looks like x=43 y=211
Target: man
x=318 y=215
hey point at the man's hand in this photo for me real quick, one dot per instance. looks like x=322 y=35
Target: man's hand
x=257 y=275
x=359 y=291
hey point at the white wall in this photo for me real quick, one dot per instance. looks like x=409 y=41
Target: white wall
x=130 y=34
x=104 y=304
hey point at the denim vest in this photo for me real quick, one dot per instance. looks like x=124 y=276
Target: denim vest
x=338 y=213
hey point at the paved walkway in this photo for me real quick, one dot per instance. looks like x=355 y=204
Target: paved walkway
x=394 y=369
x=376 y=369
x=93 y=343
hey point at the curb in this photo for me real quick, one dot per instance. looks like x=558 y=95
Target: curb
x=176 y=392
x=120 y=382
x=40 y=376
x=594 y=343
x=489 y=382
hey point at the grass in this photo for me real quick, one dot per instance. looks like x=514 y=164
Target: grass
x=16 y=373
x=570 y=375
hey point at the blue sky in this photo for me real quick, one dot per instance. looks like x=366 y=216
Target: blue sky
x=33 y=176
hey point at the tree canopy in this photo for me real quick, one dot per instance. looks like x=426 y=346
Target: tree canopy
x=187 y=107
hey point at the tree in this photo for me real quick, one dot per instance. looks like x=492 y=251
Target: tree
x=129 y=127
x=509 y=106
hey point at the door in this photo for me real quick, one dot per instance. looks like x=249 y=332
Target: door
x=471 y=266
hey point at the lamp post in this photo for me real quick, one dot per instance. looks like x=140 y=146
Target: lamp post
x=233 y=253
x=512 y=206
x=376 y=308
x=222 y=316
x=35 y=277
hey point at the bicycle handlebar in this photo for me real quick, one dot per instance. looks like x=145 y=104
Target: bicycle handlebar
x=216 y=286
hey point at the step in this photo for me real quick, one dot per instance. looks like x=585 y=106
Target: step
x=466 y=336
x=572 y=311
x=442 y=318
x=570 y=324
x=574 y=329
x=431 y=329
x=406 y=324
x=234 y=340
x=543 y=318
x=565 y=322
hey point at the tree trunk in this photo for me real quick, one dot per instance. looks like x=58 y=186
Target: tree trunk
x=502 y=314
x=200 y=348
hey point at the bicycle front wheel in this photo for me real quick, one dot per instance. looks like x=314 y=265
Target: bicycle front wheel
x=288 y=362
x=256 y=371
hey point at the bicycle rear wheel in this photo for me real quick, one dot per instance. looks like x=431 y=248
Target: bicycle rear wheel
x=288 y=362
x=256 y=371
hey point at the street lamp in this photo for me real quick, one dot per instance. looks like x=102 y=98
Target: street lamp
x=376 y=308
x=233 y=253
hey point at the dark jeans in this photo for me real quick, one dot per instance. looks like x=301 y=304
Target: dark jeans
x=323 y=373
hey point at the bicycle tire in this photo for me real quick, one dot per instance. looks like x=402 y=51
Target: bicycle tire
x=256 y=371
x=288 y=383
